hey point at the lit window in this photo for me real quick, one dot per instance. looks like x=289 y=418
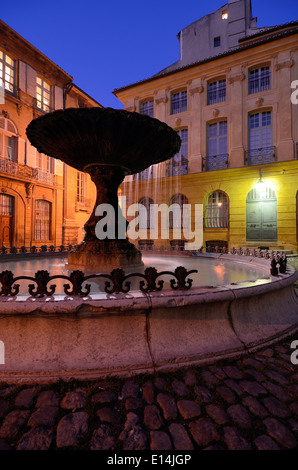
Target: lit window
x=42 y=220
x=217 y=210
x=7 y=72
x=147 y=108
x=43 y=94
x=224 y=14
x=179 y=102
x=259 y=80
x=217 y=41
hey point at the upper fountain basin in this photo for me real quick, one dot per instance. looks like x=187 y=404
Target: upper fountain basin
x=84 y=136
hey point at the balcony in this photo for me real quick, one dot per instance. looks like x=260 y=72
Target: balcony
x=215 y=162
x=24 y=171
x=14 y=168
x=44 y=176
x=260 y=156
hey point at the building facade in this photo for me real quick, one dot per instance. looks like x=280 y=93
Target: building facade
x=42 y=200
x=239 y=130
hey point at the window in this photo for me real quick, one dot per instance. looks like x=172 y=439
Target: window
x=81 y=187
x=224 y=14
x=259 y=80
x=145 y=215
x=178 y=165
x=7 y=72
x=43 y=162
x=179 y=102
x=216 y=92
x=42 y=220
x=146 y=174
x=147 y=107
x=6 y=204
x=43 y=94
x=217 y=210
x=217 y=139
x=260 y=138
x=8 y=140
x=179 y=219
x=217 y=41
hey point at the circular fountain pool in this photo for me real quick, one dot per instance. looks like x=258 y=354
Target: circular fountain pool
x=210 y=271
x=234 y=306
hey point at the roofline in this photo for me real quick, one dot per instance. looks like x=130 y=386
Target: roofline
x=37 y=50
x=244 y=47
x=90 y=97
x=268 y=29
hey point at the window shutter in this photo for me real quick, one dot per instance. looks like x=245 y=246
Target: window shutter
x=21 y=157
x=23 y=76
x=58 y=98
x=31 y=81
x=58 y=167
x=31 y=155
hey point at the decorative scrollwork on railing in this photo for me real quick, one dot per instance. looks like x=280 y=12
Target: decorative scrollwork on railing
x=281 y=261
x=115 y=283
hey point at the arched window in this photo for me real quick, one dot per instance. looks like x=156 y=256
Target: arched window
x=145 y=214
x=43 y=211
x=179 y=217
x=217 y=210
x=8 y=139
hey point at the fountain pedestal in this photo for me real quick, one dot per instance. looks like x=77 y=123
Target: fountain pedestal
x=108 y=144
x=106 y=246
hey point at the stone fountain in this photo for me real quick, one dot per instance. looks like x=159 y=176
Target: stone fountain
x=85 y=334
x=108 y=144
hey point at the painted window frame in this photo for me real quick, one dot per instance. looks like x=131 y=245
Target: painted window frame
x=7 y=72
x=42 y=220
x=217 y=210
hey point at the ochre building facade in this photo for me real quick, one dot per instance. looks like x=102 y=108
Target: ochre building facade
x=236 y=115
x=42 y=200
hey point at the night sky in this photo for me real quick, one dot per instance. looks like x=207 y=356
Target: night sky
x=105 y=45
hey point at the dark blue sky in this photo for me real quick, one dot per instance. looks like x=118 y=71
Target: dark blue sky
x=108 y=44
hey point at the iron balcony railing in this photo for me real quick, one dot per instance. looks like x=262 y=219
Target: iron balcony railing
x=215 y=162
x=14 y=168
x=260 y=156
x=24 y=171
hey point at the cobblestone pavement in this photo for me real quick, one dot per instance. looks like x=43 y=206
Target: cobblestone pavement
x=244 y=404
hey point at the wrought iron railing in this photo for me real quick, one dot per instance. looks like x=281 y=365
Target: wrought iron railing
x=13 y=250
x=118 y=282
x=24 y=171
x=44 y=176
x=260 y=156
x=216 y=162
x=115 y=283
x=14 y=168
